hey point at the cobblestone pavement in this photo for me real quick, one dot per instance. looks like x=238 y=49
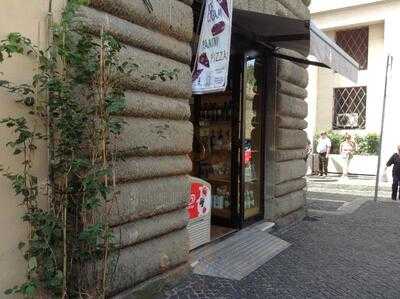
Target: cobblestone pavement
x=343 y=256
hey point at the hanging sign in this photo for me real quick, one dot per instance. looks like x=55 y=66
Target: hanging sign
x=210 y=73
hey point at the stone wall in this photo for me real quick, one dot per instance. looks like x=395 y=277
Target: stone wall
x=286 y=113
x=150 y=218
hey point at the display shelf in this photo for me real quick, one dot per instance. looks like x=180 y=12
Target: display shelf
x=216 y=123
x=215 y=179
x=222 y=213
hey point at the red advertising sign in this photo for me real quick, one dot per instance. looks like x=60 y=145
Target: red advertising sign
x=200 y=200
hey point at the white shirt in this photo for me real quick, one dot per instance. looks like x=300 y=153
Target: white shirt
x=323 y=145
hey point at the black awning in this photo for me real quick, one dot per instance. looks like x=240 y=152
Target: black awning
x=299 y=35
x=276 y=31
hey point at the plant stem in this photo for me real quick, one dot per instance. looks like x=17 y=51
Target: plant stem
x=64 y=252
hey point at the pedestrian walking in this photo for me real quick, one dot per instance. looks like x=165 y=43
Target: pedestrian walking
x=323 y=149
x=347 y=149
x=307 y=150
x=395 y=161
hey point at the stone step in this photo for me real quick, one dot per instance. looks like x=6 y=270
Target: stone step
x=335 y=184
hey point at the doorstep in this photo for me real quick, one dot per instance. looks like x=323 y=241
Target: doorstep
x=238 y=255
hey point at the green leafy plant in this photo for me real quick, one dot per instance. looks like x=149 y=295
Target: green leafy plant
x=368 y=145
x=76 y=96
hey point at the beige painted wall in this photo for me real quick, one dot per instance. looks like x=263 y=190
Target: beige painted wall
x=373 y=78
x=324 y=5
x=25 y=17
x=383 y=17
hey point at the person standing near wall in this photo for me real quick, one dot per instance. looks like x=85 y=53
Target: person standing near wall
x=308 y=152
x=395 y=161
x=347 y=149
x=323 y=150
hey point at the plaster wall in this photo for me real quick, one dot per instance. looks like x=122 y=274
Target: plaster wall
x=373 y=78
x=28 y=18
x=382 y=17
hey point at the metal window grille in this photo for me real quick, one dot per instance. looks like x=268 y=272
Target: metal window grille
x=355 y=43
x=350 y=108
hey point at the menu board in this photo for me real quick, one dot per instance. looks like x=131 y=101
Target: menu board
x=210 y=73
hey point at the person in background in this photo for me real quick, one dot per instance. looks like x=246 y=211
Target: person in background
x=307 y=153
x=307 y=150
x=323 y=149
x=395 y=161
x=347 y=149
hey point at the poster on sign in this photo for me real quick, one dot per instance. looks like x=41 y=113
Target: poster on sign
x=200 y=201
x=210 y=73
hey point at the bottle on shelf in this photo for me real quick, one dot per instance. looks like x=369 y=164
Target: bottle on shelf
x=230 y=109
x=219 y=113
x=213 y=140
x=220 y=141
x=227 y=144
x=225 y=111
x=205 y=112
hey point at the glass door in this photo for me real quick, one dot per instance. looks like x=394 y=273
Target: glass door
x=252 y=141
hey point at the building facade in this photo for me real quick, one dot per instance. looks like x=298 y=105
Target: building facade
x=152 y=217
x=366 y=30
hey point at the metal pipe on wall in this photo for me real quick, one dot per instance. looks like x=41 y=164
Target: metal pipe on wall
x=389 y=62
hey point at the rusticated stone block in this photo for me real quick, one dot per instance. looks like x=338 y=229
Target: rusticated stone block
x=290 y=186
x=154 y=286
x=292 y=218
x=292 y=73
x=149 y=228
x=287 y=155
x=288 y=122
x=290 y=170
x=289 y=203
x=292 y=90
x=173 y=17
x=256 y=5
x=145 y=105
x=187 y=2
x=149 y=64
x=133 y=35
x=153 y=137
x=294 y=54
x=146 y=198
x=139 y=168
x=147 y=260
x=291 y=139
x=282 y=11
x=291 y=106
x=297 y=7
x=241 y=4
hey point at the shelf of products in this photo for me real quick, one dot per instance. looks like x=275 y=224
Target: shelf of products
x=215 y=137
x=221 y=213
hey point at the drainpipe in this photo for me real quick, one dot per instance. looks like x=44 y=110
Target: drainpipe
x=389 y=63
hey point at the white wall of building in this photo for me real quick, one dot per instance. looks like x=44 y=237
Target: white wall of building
x=325 y=5
x=373 y=78
x=383 y=19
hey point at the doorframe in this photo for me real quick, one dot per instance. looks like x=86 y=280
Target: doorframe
x=267 y=95
x=237 y=77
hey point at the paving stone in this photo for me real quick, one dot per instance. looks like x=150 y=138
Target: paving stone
x=337 y=256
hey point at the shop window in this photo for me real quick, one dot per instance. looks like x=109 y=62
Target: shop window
x=355 y=43
x=350 y=107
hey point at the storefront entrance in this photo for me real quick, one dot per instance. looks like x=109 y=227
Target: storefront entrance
x=229 y=145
